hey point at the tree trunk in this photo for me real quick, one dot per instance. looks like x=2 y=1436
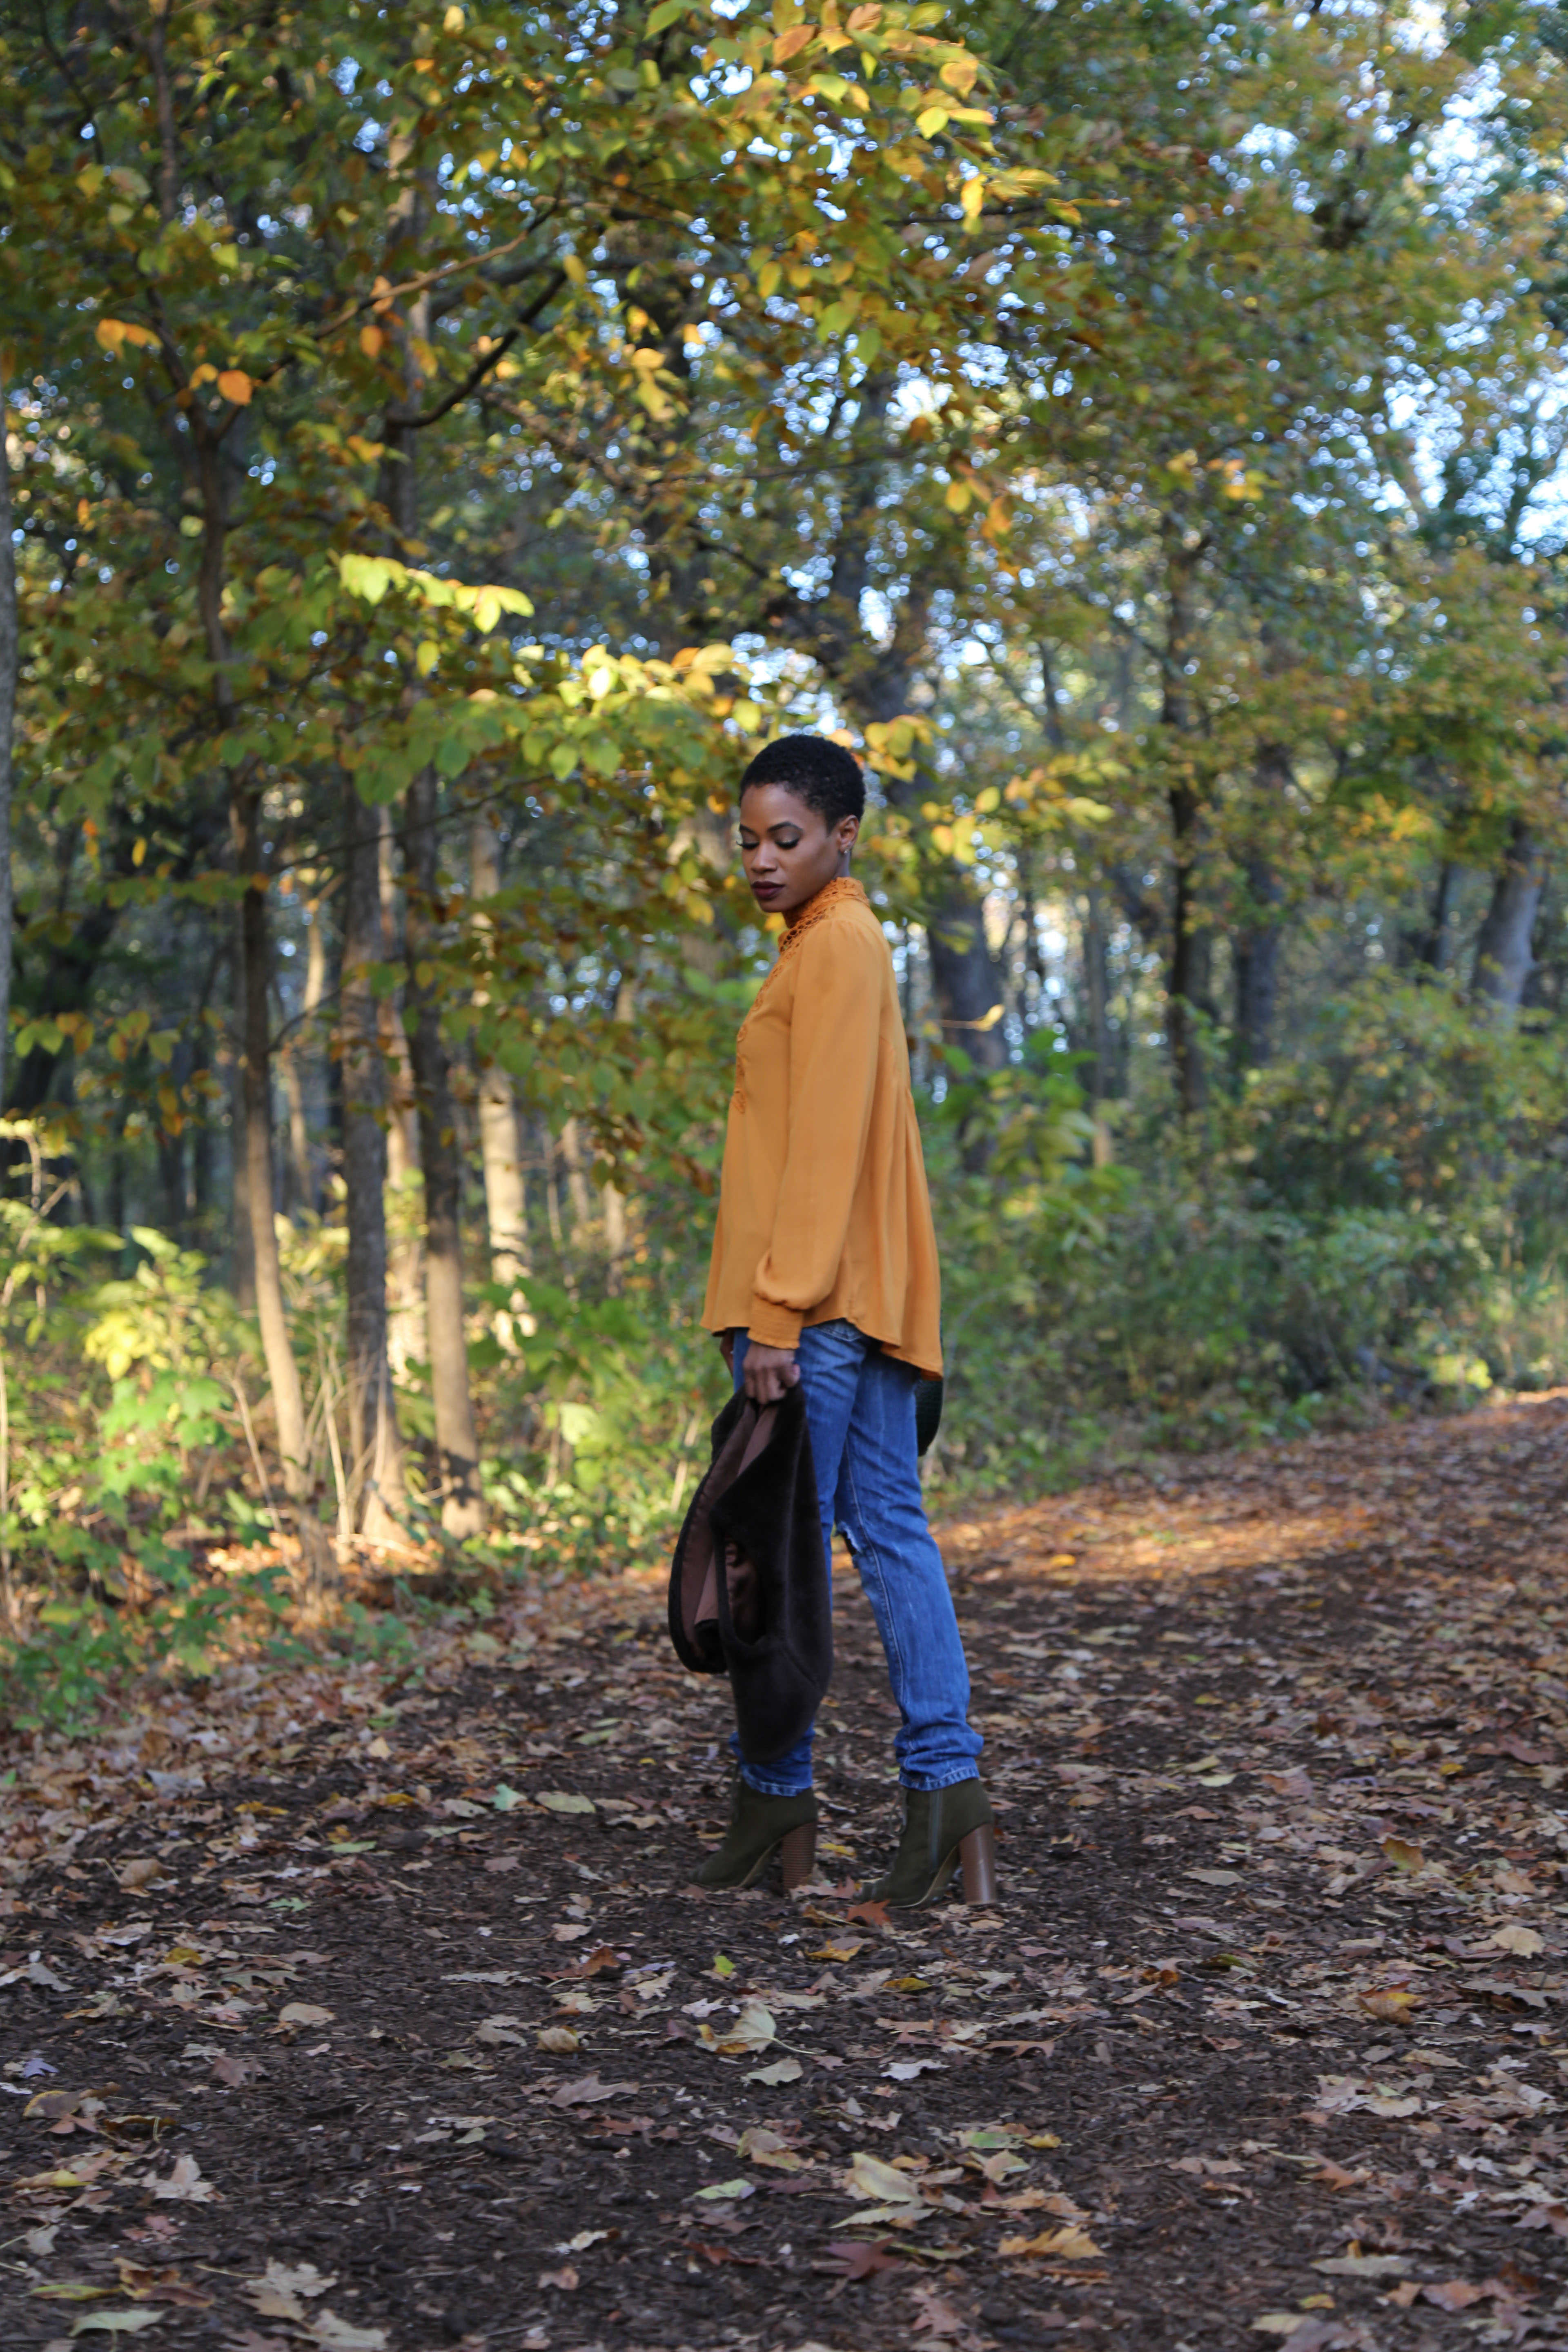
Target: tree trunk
x=1255 y=944
x=406 y=1337
x=375 y=1449
x=254 y=992
x=506 y=1205
x=576 y=1182
x=242 y=1256
x=457 y=1442
x=1255 y=957
x=1430 y=949
x=1187 y=986
x=255 y=1081
x=10 y=663
x=1097 y=990
x=1503 y=959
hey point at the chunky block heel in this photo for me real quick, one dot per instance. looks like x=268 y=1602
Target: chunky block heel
x=758 y=1828
x=798 y=1854
x=943 y=1828
x=977 y=1859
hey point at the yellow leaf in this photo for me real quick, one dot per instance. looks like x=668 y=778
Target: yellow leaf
x=452 y=22
x=932 y=119
x=876 y=2183
x=973 y=200
x=1524 y=1942
x=790 y=45
x=111 y=333
x=1069 y=2245
x=958 y=497
x=572 y=264
x=1393 y=2003
x=236 y=385
x=1402 y=1855
x=959 y=74
x=371 y=340
x=426 y=657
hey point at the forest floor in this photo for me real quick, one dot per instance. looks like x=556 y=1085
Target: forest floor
x=349 y=2007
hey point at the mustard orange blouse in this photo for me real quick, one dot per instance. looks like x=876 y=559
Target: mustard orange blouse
x=823 y=1208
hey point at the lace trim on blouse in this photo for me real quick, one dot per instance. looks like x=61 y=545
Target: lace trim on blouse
x=832 y=894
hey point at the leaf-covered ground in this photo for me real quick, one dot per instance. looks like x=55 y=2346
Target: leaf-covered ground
x=351 y=2007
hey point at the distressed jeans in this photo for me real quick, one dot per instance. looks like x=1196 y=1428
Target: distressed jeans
x=861 y=1410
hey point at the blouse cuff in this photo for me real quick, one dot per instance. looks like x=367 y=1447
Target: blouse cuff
x=774 y=1327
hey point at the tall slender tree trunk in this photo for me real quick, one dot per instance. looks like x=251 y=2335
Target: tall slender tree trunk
x=256 y=1083
x=1256 y=943
x=10 y=665
x=1503 y=957
x=1187 y=986
x=1255 y=959
x=254 y=990
x=456 y=1441
x=1187 y=981
x=1097 y=990
x=374 y=1441
x=506 y=1204
x=405 y=1335
x=1430 y=948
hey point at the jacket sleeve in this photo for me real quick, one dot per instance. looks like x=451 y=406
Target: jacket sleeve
x=834 y=1033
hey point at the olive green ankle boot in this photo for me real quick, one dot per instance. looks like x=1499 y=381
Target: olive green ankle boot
x=943 y=1827
x=758 y=1827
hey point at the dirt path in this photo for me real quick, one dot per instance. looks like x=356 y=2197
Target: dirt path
x=356 y=2007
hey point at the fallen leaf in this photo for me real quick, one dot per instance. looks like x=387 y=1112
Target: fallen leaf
x=875 y=1915
x=235 y=2072
x=1068 y=2245
x=1393 y=2003
x=1404 y=1855
x=557 y=2038
x=564 y=1800
x=876 y=2183
x=587 y=2090
x=935 y=2317
x=276 y=2293
x=862 y=2259
x=783 y=2070
x=583 y=2240
x=335 y=2335
x=846 y=1951
x=141 y=1871
x=760 y=2145
x=724 y=2189
x=130 y=2321
x=752 y=2031
x=1524 y=1942
x=1280 y=2322
x=565 y=2279
x=1363 y=2267
x=184 y=2184
x=1454 y=2295
x=304 y=2013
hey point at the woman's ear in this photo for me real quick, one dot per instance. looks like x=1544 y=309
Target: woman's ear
x=846 y=833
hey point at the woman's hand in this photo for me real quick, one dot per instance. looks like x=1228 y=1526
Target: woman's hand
x=769 y=1372
x=727 y=1350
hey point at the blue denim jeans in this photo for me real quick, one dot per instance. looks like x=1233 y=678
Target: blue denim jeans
x=861 y=1410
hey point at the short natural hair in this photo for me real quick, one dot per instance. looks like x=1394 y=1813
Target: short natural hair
x=824 y=775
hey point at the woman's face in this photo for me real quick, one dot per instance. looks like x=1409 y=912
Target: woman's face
x=788 y=849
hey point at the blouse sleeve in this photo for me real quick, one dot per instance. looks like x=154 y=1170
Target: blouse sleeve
x=835 y=1035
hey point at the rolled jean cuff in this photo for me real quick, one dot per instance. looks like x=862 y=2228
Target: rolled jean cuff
x=766 y=1787
x=949 y=1778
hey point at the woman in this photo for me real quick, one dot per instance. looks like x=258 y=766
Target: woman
x=824 y=1271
